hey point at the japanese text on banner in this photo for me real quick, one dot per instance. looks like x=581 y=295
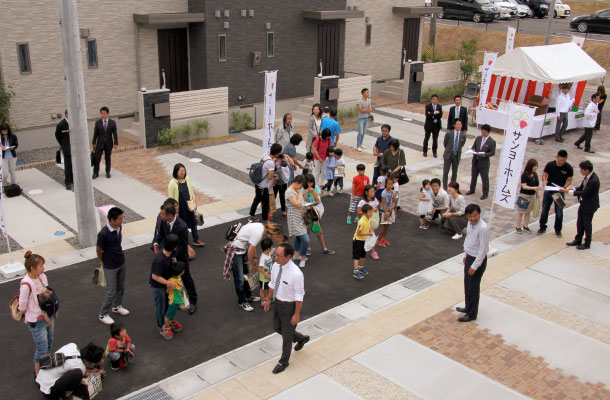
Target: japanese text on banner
x=270 y=88
x=510 y=38
x=488 y=66
x=518 y=128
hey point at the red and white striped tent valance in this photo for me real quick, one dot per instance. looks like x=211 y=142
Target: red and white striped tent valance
x=503 y=88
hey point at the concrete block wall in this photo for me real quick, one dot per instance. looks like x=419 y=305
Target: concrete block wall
x=113 y=83
x=440 y=72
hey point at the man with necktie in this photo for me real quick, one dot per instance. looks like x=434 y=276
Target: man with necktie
x=480 y=162
x=286 y=288
x=588 y=197
x=591 y=113
x=457 y=112
x=563 y=105
x=453 y=142
x=104 y=140
x=62 y=135
x=432 y=126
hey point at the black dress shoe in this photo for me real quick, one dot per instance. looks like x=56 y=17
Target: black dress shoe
x=301 y=343
x=94 y=176
x=460 y=309
x=279 y=368
x=192 y=308
x=435 y=156
x=108 y=175
x=577 y=146
x=484 y=197
x=68 y=187
x=583 y=247
x=469 y=193
x=589 y=151
x=425 y=154
x=466 y=318
x=573 y=243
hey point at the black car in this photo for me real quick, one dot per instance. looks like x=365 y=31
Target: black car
x=540 y=8
x=475 y=10
x=598 y=22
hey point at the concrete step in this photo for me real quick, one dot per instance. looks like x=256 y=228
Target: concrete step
x=131 y=134
x=308 y=101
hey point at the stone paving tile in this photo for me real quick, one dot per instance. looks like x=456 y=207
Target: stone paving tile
x=491 y=356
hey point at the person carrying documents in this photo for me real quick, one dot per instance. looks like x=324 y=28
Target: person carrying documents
x=482 y=149
x=557 y=174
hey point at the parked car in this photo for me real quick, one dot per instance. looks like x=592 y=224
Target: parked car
x=507 y=9
x=540 y=8
x=523 y=11
x=562 y=10
x=476 y=10
x=597 y=22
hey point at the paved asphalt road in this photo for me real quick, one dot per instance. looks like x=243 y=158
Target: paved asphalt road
x=535 y=26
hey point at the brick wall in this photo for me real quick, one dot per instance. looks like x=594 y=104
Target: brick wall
x=113 y=83
x=382 y=58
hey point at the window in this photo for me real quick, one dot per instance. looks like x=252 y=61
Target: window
x=270 y=44
x=23 y=52
x=92 y=53
x=222 y=47
x=369 y=32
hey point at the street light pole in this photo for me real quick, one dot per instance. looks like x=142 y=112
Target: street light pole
x=432 y=33
x=547 y=37
x=87 y=221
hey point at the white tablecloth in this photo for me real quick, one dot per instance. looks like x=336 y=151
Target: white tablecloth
x=498 y=119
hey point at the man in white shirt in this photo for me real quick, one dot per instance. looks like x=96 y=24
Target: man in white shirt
x=476 y=247
x=440 y=199
x=590 y=119
x=563 y=105
x=286 y=288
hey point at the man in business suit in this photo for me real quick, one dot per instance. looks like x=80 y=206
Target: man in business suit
x=172 y=224
x=588 y=197
x=457 y=112
x=453 y=142
x=104 y=140
x=62 y=134
x=433 y=125
x=480 y=162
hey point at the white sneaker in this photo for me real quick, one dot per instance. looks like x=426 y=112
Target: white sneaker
x=254 y=299
x=107 y=319
x=360 y=149
x=246 y=306
x=363 y=147
x=456 y=236
x=120 y=310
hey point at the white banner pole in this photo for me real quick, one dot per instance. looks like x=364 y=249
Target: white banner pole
x=270 y=89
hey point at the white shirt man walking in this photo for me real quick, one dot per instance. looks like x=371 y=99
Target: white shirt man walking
x=287 y=288
x=476 y=247
x=590 y=119
x=563 y=105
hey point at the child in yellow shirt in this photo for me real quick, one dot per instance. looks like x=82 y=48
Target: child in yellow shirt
x=362 y=231
x=176 y=298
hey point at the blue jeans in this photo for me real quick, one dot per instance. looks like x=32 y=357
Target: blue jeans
x=363 y=124
x=547 y=201
x=115 y=355
x=240 y=268
x=301 y=243
x=43 y=336
x=160 y=305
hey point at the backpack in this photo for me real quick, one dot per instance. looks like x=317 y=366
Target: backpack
x=13 y=305
x=12 y=190
x=233 y=231
x=54 y=360
x=256 y=172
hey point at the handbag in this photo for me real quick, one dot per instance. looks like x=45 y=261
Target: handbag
x=192 y=205
x=92 y=158
x=13 y=305
x=522 y=203
x=54 y=360
x=403 y=178
x=309 y=216
x=537 y=208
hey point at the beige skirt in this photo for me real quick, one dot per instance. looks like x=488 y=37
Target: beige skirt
x=530 y=206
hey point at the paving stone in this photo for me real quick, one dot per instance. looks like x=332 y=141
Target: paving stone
x=329 y=321
x=248 y=356
x=353 y=311
x=396 y=292
x=321 y=387
x=217 y=370
x=183 y=385
x=376 y=301
x=435 y=274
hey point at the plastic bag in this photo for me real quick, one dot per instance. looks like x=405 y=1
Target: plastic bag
x=537 y=207
x=369 y=243
x=375 y=221
x=315 y=227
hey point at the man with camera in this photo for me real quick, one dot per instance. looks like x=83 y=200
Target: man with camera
x=261 y=189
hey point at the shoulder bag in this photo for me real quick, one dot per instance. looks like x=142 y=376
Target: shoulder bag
x=522 y=203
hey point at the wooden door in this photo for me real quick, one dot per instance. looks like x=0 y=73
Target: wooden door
x=329 y=47
x=173 y=59
x=410 y=43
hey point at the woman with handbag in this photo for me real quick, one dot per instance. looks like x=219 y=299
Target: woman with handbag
x=296 y=219
x=181 y=190
x=312 y=194
x=394 y=157
x=313 y=127
x=527 y=196
x=32 y=284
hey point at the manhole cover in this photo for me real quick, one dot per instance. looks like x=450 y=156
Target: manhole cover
x=35 y=191
x=195 y=160
x=59 y=233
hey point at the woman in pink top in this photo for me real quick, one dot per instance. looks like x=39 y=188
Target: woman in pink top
x=33 y=284
x=319 y=147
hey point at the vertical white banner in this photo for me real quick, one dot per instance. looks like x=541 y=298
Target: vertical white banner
x=270 y=88
x=518 y=128
x=510 y=38
x=2 y=220
x=579 y=40
x=488 y=66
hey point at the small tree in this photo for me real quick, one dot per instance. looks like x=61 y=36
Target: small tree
x=467 y=52
x=6 y=96
x=202 y=125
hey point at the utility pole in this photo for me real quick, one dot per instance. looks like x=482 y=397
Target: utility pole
x=79 y=136
x=432 y=33
x=547 y=37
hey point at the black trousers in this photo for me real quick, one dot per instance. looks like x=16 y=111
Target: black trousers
x=484 y=172
x=452 y=162
x=281 y=189
x=70 y=381
x=261 y=196
x=69 y=180
x=586 y=137
x=472 y=286
x=282 y=314
x=434 y=132
x=339 y=182
x=107 y=150
x=189 y=284
x=584 y=226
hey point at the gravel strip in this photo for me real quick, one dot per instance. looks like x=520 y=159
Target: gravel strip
x=37 y=155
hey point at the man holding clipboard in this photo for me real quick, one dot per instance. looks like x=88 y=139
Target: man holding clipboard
x=557 y=174
x=483 y=148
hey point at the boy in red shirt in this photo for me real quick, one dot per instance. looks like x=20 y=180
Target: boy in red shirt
x=358 y=184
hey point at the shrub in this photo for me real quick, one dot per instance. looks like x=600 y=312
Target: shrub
x=165 y=137
x=345 y=115
x=242 y=120
x=444 y=94
x=6 y=96
x=467 y=53
x=185 y=130
x=202 y=125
